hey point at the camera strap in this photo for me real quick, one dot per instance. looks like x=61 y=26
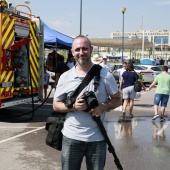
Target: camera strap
x=110 y=146
x=94 y=72
x=102 y=128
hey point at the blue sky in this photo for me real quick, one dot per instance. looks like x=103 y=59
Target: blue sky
x=101 y=17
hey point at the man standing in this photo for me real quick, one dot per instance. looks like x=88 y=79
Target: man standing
x=162 y=92
x=61 y=68
x=70 y=61
x=81 y=135
x=121 y=70
x=104 y=63
x=157 y=61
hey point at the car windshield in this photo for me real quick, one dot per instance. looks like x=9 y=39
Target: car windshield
x=139 y=68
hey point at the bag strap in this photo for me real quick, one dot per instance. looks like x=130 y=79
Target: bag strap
x=93 y=73
x=136 y=75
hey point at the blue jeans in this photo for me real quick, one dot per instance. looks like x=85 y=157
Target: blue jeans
x=73 y=152
x=163 y=98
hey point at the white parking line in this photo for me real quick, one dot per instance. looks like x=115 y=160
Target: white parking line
x=22 y=134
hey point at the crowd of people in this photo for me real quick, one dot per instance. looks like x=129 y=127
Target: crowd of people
x=127 y=77
x=83 y=138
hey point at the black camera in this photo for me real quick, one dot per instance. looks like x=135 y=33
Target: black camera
x=88 y=96
x=69 y=103
x=90 y=99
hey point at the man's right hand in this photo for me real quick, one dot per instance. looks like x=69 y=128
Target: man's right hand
x=80 y=104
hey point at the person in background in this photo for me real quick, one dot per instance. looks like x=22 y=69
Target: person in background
x=120 y=71
x=162 y=93
x=46 y=81
x=105 y=63
x=71 y=62
x=62 y=67
x=162 y=61
x=157 y=61
x=81 y=134
x=96 y=59
x=127 y=88
x=133 y=61
x=52 y=60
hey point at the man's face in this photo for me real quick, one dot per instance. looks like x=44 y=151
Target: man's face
x=125 y=66
x=104 y=59
x=82 y=50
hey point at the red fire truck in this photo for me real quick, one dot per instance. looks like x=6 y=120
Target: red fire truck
x=21 y=55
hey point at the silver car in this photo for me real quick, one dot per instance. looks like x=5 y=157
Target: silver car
x=148 y=76
x=155 y=69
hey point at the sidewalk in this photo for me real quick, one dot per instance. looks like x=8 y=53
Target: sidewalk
x=144 y=102
x=146 y=99
x=143 y=108
x=144 y=105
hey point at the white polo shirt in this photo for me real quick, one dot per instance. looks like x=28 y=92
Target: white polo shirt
x=121 y=71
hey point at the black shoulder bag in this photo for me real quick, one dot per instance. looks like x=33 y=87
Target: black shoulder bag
x=137 y=85
x=54 y=125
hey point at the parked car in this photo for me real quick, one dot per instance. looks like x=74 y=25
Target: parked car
x=148 y=76
x=155 y=69
x=116 y=66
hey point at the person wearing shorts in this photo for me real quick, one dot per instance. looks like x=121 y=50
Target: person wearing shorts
x=120 y=71
x=162 y=93
x=127 y=88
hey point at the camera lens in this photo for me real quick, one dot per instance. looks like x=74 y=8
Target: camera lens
x=92 y=102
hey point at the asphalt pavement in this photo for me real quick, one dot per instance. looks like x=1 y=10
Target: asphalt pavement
x=139 y=143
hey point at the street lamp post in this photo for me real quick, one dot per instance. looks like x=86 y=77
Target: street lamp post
x=80 y=16
x=123 y=11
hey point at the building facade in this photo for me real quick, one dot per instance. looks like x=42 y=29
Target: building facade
x=160 y=39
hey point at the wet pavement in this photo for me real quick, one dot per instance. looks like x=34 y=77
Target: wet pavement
x=140 y=144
